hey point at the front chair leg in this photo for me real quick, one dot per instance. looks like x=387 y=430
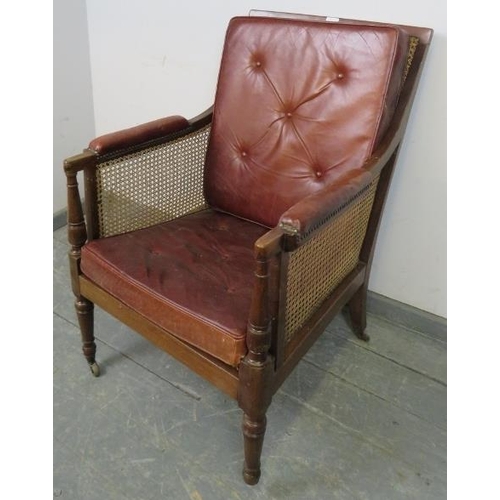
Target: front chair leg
x=85 y=313
x=253 y=432
x=256 y=372
x=357 y=312
x=254 y=397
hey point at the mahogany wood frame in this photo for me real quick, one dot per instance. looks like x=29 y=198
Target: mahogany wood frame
x=269 y=360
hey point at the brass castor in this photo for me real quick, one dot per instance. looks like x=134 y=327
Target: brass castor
x=364 y=336
x=251 y=477
x=94 y=368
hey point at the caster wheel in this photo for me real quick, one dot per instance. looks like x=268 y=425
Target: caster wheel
x=364 y=336
x=251 y=477
x=94 y=368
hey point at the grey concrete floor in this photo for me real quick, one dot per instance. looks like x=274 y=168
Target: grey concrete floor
x=354 y=420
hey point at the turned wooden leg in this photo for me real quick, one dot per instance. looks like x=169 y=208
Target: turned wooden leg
x=77 y=236
x=253 y=432
x=357 y=313
x=256 y=372
x=254 y=397
x=85 y=313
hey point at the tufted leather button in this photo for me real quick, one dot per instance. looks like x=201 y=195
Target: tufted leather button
x=243 y=153
x=318 y=173
x=258 y=64
x=289 y=115
x=340 y=76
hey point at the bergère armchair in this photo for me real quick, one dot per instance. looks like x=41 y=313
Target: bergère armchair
x=231 y=240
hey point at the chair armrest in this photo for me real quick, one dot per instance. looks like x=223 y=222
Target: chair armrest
x=310 y=213
x=130 y=137
x=141 y=176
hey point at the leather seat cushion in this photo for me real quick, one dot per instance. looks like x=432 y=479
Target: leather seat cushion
x=192 y=276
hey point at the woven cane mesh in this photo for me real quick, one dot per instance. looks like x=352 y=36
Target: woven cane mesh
x=153 y=185
x=317 y=268
x=411 y=53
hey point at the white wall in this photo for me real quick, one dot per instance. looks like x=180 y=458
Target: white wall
x=73 y=106
x=154 y=58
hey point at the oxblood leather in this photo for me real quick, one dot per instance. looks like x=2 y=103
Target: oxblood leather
x=311 y=211
x=110 y=143
x=298 y=104
x=283 y=149
x=192 y=276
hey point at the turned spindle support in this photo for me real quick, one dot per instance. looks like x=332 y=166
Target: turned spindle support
x=77 y=236
x=256 y=373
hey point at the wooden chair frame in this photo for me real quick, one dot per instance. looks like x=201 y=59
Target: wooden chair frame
x=270 y=359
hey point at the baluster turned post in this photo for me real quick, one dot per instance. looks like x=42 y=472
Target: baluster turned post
x=77 y=236
x=256 y=372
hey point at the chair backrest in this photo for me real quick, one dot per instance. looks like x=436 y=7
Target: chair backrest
x=298 y=104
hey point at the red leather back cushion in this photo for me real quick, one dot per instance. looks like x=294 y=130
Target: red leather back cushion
x=298 y=103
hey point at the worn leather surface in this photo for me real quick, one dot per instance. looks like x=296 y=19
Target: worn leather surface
x=122 y=139
x=298 y=104
x=314 y=209
x=192 y=276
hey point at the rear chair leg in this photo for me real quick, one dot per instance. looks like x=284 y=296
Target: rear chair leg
x=85 y=313
x=357 y=312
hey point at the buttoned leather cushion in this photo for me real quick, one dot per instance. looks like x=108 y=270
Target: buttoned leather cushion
x=298 y=104
x=192 y=276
